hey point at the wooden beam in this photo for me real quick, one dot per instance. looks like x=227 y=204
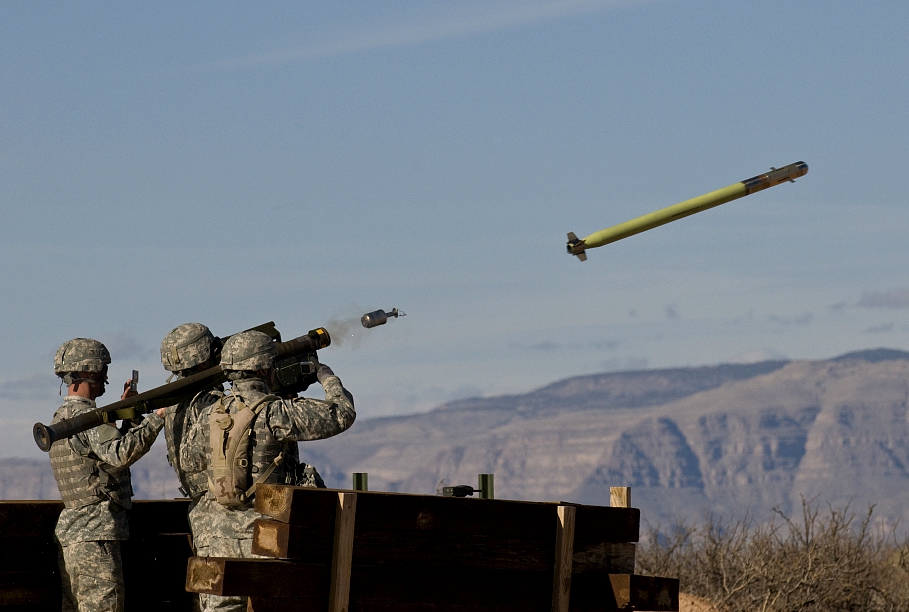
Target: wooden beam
x=342 y=556
x=304 y=586
x=27 y=589
x=379 y=511
x=620 y=497
x=256 y=577
x=278 y=604
x=156 y=516
x=605 y=558
x=29 y=518
x=564 y=558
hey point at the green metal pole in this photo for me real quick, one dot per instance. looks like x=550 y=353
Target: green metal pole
x=360 y=481
x=487 y=489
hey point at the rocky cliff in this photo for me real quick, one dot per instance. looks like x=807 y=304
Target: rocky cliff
x=728 y=438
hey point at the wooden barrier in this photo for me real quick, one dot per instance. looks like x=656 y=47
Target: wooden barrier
x=359 y=551
x=369 y=551
x=154 y=558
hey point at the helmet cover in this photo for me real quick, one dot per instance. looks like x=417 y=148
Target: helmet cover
x=250 y=351
x=186 y=346
x=81 y=355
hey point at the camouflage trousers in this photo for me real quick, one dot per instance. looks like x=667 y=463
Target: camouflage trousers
x=224 y=547
x=92 y=576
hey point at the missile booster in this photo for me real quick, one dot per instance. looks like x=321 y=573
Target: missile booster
x=577 y=247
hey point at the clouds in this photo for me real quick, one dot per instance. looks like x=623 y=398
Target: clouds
x=804 y=318
x=477 y=19
x=880 y=329
x=34 y=385
x=123 y=346
x=897 y=299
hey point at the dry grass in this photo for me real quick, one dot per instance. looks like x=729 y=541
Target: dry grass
x=832 y=561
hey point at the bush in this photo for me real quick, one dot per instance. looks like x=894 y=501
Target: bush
x=823 y=562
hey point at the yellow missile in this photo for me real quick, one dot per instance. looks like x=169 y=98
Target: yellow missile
x=684 y=209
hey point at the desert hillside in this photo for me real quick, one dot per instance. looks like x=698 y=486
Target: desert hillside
x=729 y=438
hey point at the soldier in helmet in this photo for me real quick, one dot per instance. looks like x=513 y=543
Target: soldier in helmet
x=92 y=473
x=186 y=350
x=252 y=433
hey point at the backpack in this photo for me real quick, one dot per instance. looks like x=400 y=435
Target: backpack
x=228 y=478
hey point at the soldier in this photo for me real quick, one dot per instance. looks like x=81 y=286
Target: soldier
x=92 y=473
x=186 y=350
x=252 y=432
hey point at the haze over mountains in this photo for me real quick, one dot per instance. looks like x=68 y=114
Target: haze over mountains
x=730 y=438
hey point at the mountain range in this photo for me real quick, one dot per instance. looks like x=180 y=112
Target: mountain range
x=730 y=439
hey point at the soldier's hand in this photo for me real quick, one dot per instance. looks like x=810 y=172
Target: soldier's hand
x=323 y=372
x=128 y=390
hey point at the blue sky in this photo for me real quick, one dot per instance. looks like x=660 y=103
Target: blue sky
x=305 y=163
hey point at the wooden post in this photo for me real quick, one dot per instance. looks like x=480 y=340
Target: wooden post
x=342 y=556
x=620 y=497
x=564 y=558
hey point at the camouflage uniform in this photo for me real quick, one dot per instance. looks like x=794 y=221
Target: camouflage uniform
x=277 y=428
x=178 y=422
x=92 y=473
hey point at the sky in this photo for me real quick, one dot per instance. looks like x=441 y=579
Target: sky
x=305 y=163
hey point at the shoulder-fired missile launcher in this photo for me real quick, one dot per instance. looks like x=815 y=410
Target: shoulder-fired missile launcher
x=675 y=212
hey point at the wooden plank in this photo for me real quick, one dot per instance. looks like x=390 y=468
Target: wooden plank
x=163 y=556
x=342 y=556
x=273 y=578
x=278 y=604
x=256 y=577
x=317 y=510
x=29 y=518
x=398 y=511
x=596 y=524
x=624 y=591
x=31 y=554
x=605 y=558
x=564 y=558
x=402 y=548
x=30 y=589
x=406 y=548
x=373 y=587
x=620 y=497
x=153 y=516
x=285 y=541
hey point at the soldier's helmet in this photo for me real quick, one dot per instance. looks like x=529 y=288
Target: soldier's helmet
x=186 y=346
x=249 y=350
x=81 y=355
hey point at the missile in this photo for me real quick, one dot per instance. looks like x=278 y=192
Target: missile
x=683 y=209
x=379 y=317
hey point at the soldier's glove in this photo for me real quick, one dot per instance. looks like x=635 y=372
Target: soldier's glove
x=323 y=372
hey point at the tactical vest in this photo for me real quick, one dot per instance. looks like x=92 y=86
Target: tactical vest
x=176 y=424
x=85 y=479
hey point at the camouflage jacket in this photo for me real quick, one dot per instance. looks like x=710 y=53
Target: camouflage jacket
x=178 y=423
x=114 y=452
x=287 y=421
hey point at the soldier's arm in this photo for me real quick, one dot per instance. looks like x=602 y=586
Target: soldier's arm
x=122 y=450
x=311 y=419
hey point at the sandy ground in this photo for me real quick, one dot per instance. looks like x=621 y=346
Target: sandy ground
x=691 y=603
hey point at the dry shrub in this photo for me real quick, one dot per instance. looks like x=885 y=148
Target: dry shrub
x=828 y=561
